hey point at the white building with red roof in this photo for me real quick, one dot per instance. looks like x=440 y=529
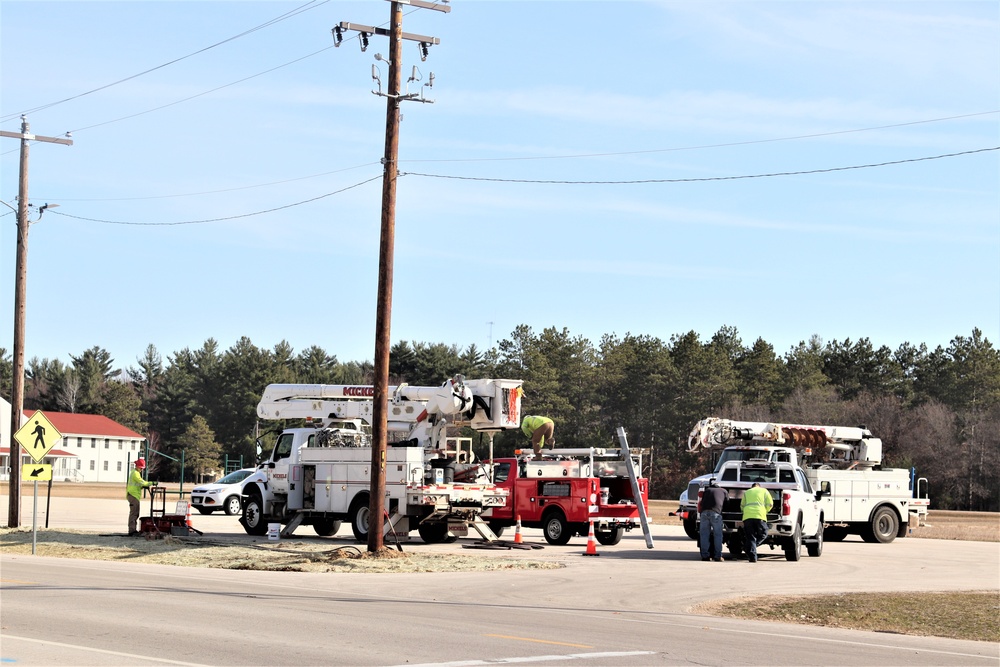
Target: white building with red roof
x=93 y=448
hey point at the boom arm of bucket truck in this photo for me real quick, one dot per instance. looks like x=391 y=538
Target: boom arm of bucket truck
x=837 y=446
x=423 y=413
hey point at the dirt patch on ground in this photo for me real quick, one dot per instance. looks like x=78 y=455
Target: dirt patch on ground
x=962 y=615
x=245 y=553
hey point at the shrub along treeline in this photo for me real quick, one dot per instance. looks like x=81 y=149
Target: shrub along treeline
x=935 y=410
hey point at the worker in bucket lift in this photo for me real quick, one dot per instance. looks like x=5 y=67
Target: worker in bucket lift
x=134 y=493
x=541 y=430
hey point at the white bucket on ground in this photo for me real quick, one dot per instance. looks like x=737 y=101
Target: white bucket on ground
x=274 y=531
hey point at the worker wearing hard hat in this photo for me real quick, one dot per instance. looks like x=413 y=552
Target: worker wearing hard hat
x=541 y=430
x=134 y=493
x=756 y=503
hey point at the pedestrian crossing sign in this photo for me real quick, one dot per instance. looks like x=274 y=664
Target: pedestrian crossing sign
x=38 y=436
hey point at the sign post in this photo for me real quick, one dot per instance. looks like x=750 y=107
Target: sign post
x=42 y=436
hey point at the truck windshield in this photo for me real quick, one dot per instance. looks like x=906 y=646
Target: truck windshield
x=741 y=455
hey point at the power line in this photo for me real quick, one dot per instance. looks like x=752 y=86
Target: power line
x=213 y=192
x=277 y=19
x=696 y=180
x=231 y=217
x=704 y=146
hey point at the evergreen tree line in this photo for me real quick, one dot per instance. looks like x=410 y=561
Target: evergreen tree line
x=935 y=410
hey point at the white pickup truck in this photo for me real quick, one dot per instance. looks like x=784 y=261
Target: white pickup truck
x=795 y=518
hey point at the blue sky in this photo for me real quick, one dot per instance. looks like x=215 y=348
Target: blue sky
x=686 y=94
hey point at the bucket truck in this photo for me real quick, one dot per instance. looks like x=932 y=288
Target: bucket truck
x=845 y=462
x=320 y=474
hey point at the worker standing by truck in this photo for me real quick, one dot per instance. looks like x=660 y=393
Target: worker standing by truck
x=134 y=493
x=710 y=515
x=755 y=505
x=541 y=430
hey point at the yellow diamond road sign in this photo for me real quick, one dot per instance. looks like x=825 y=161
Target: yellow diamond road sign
x=38 y=436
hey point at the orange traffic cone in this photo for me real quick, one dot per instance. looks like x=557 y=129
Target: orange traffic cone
x=517 y=531
x=591 y=545
x=188 y=517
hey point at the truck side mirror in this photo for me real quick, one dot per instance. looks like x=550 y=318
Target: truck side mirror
x=824 y=490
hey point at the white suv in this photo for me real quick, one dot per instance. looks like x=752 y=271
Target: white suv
x=221 y=495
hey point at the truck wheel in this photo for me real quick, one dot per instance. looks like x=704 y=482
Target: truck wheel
x=497 y=528
x=326 y=527
x=555 y=528
x=735 y=545
x=359 y=517
x=691 y=528
x=815 y=548
x=433 y=533
x=883 y=528
x=204 y=510
x=835 y=533
x=793 y=547
x=609 y=537
x=233 y=505
x=254 y=521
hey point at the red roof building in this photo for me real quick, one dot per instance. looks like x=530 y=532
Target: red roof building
x=93 y=449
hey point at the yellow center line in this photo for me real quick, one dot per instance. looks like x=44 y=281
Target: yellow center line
x=539 y=641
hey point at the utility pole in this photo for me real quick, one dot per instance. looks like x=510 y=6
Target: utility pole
x=20 y=279
x=376 y=508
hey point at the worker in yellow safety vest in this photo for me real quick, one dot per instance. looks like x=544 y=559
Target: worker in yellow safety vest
x=134 y=493
x=756 y=503
x=541 y=430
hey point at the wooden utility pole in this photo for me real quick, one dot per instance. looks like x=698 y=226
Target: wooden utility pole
x=380 y=395
x=20 y=280
x=383 y=316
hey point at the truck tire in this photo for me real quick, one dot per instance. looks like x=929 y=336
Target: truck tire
x=793 y=546
x=815 y=547
x=325 y=527
x=497 y=528
x=233 y=505
x=835 y=533
x=691 y=528
x=609 y=537
x=433 y=532
x=735 y=544
x=359 y=517
x=555 y=528
x=253 y=519
x=883 y=526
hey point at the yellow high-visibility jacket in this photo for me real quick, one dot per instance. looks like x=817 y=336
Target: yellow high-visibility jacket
x=136 y=484
x=756 y=503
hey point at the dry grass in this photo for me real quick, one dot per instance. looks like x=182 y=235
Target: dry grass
x=964 y=615
x=244 y=553
x=971 y=526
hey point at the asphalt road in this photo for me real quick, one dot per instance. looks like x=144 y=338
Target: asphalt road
x=627 y=607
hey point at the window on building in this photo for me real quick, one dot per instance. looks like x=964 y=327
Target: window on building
x=119 y=466
x=93 y=443
x=120 y=443
x=93 y=465
x=107 y=443
x=79 y=464
x=105 y=466
x=79 y=442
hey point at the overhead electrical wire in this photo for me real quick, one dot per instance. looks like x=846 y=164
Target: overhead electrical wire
x=696 y=180
x=704 y=146
x=230 y=217
x=215 y=192
x=543 y=182
x=312 y=4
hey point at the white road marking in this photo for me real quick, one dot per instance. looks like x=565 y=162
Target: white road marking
x=533 y=658
x=143 y=658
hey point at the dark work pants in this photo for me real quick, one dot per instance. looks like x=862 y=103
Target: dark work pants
x=133 y=513
x=754 y=534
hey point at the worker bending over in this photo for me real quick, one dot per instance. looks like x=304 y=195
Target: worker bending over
x=541 y=430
